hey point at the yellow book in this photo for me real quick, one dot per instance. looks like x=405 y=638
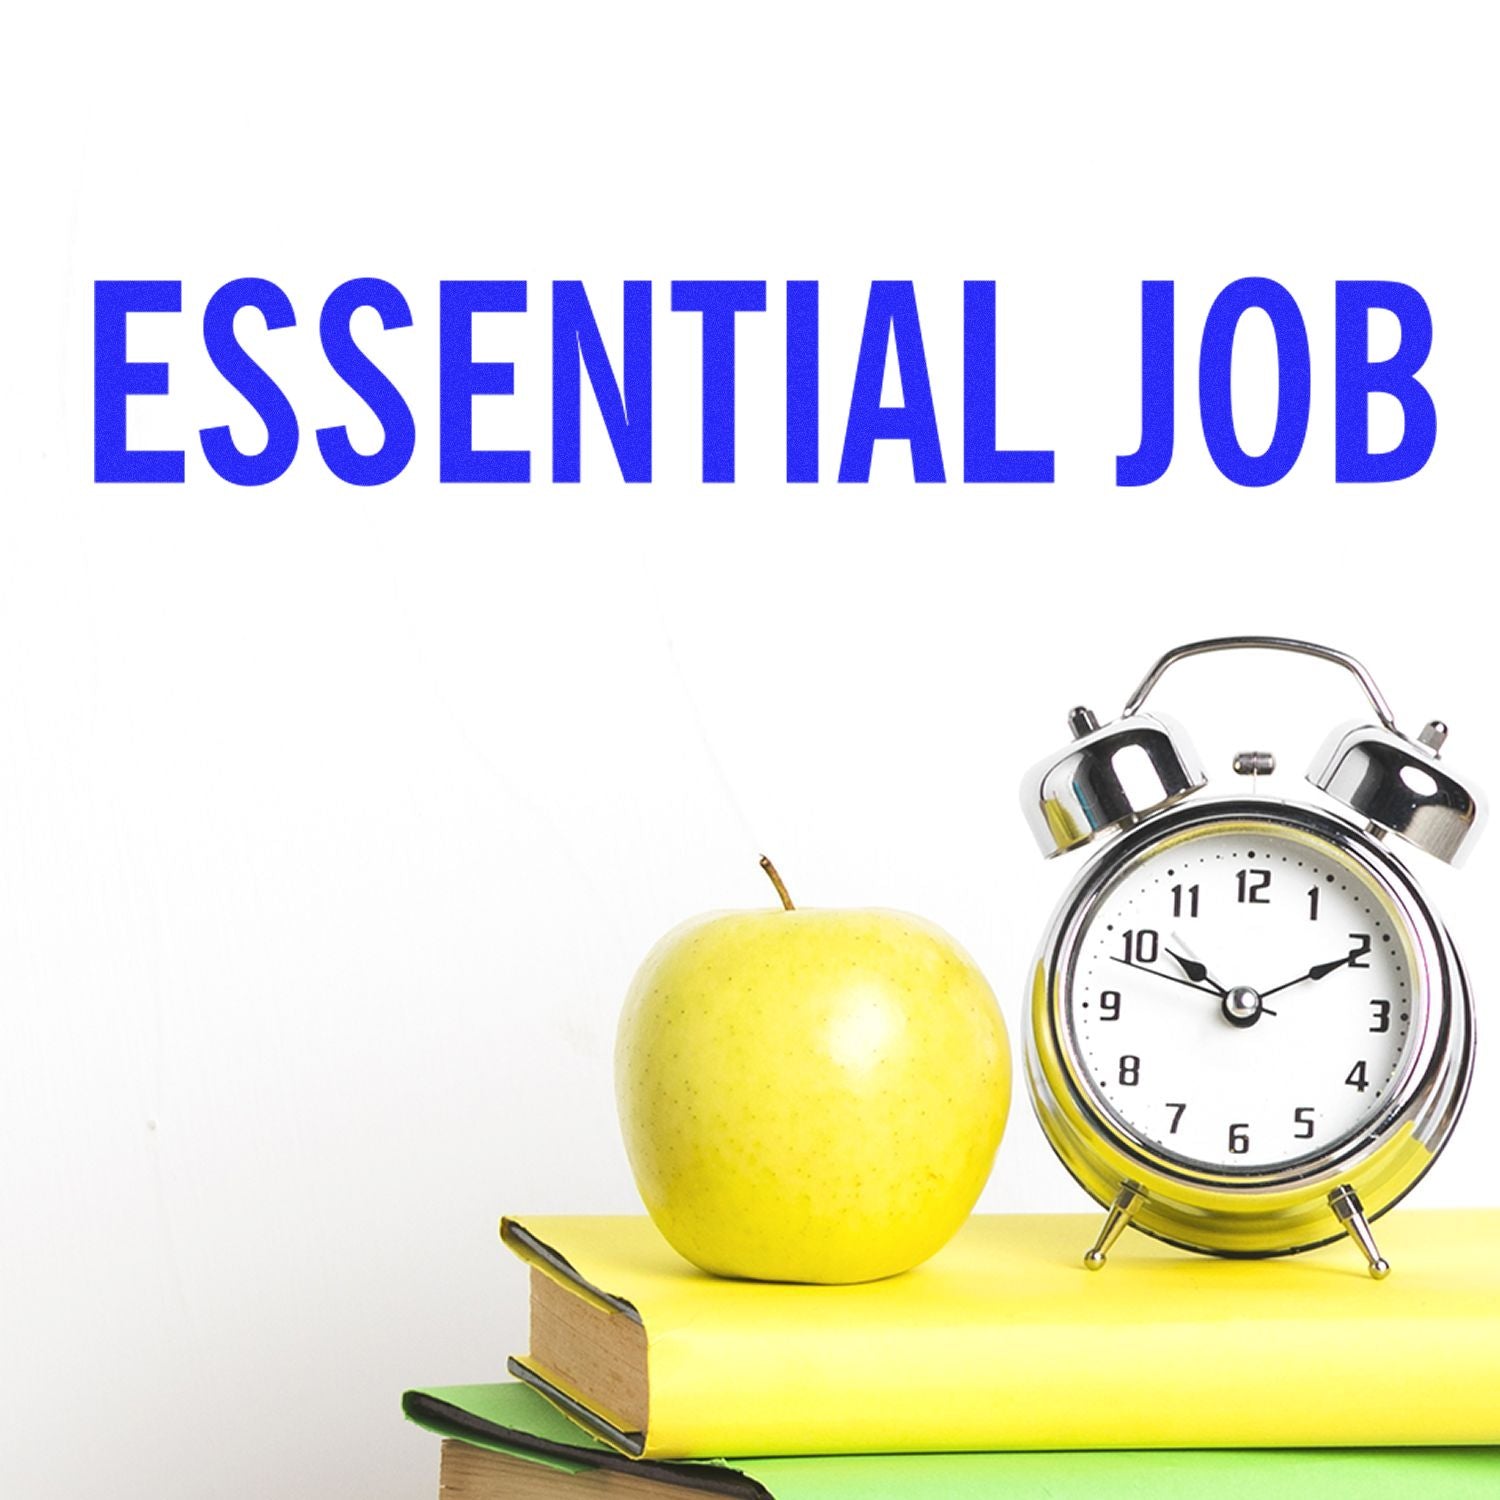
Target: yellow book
x=1004 y=1341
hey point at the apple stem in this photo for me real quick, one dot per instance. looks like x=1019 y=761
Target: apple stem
x=776 y=880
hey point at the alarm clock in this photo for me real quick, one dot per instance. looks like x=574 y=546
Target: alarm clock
x=1250 y=1033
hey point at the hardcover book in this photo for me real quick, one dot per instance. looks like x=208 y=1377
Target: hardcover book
x=504 y=1442
x=1004 y=1341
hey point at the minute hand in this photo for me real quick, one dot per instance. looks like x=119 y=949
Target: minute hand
x=1318 y=971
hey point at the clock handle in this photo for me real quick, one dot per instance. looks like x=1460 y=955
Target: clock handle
x=1264 y=643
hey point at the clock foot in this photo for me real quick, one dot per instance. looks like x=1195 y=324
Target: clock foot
x=1120 y=1213
x=1344 y=1202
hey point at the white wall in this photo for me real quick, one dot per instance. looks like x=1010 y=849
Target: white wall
x=333 y=823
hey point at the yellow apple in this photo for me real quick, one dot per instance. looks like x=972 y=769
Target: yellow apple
x=810 y=1095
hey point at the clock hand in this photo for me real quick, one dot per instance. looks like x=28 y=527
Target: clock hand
x=1197 y=972
x=1318 y=971
x=1223 y=996
x=1162 y=974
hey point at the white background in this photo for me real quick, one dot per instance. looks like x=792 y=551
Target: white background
x=334 y=822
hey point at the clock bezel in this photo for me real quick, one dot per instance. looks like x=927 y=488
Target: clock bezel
x=1256 y=1210
x=1418 y=935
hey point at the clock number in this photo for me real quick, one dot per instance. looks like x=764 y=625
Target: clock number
x=1109 y=1005
x=1383 y=1015
x=1252 y=884
x=1357 y=1078
x=1312 y=904
x=1184 y=898
x=1141 y=947
x=1304 y=1120
x=1357 y=957
x=1177 y=1110
x=1130 y=1069
x=1239 y=1138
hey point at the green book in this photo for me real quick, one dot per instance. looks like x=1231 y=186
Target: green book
x=505 y=1442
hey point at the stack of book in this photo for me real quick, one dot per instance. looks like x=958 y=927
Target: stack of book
x=1001 y=1367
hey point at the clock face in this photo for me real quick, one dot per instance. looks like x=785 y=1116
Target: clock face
x=1243 y=995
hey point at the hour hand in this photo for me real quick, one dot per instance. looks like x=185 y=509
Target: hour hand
x=1195 y=971
x=1162 y=974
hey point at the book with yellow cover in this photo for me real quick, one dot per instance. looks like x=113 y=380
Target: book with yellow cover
x=1003 y=1341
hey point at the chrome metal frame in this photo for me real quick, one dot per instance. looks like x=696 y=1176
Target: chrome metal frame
x=1253 y=1211
x=1342 y=659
